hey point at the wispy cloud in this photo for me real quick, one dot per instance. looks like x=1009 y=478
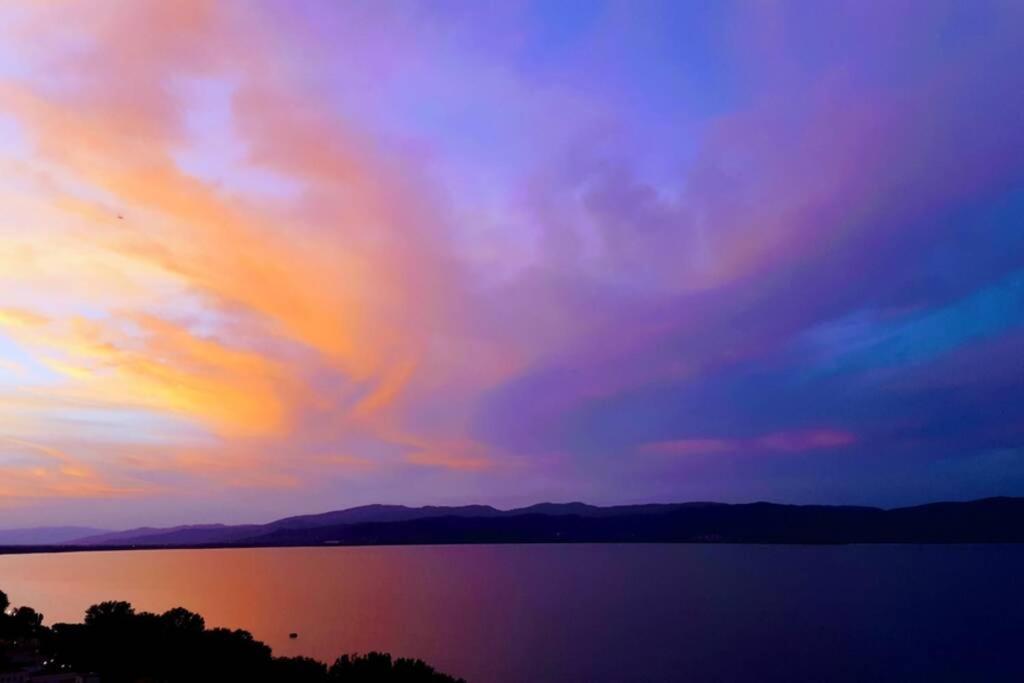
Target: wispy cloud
x=777 y=442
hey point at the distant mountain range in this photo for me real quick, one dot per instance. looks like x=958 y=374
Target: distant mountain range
x=45 y=535
x=991 y=520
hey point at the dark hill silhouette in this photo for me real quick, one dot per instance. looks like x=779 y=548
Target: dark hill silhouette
x=197 y=534
x=211 y=534
x=989 y=520
x=381 y=513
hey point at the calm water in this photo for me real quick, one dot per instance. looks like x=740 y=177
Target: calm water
x=587 y=612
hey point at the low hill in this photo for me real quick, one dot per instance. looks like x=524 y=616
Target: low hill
x=991 y=520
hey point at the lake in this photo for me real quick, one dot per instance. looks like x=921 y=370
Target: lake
x=586 y=612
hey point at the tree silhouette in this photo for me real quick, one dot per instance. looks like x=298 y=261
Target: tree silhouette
x=109 y=614
x=19 y=623
x=379 y=668
x=125 y=646
x=180 y=620
x=27 y=619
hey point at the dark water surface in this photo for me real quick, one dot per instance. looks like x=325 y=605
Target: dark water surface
x=586 y=612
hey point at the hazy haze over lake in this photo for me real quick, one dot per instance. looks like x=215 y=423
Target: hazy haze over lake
x=585 y=612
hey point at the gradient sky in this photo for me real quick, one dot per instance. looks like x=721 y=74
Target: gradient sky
x=264 y=258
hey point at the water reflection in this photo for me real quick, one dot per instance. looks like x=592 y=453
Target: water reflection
x=585 y=612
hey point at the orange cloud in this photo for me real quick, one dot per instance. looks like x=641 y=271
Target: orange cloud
x=463 y=455
x=13 y=317
x=245 y=314
x=165 y=367
x=53 y=473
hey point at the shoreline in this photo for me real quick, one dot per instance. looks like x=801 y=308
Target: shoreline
x=62 y=550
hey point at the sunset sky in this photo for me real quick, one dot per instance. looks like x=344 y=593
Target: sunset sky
x=273 y=257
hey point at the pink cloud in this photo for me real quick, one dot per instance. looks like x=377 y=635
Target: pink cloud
x=805 y=440
x=798 y=441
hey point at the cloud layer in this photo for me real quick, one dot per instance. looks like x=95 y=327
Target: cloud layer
x=260 y=260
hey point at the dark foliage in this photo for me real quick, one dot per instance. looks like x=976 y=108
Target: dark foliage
x=122 y=645
x=379 y=667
